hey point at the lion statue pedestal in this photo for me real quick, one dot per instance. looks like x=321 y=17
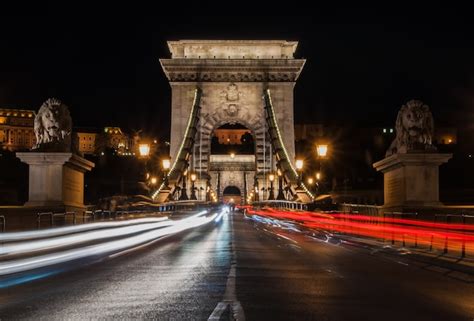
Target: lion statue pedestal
x=56 y=180
x=411 y=166
x=56 y=174
x=411 y=180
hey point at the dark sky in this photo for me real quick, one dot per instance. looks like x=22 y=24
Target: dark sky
x=361 y=66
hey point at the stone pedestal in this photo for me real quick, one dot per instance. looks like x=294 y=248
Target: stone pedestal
x=56 y=179
x=411 y=180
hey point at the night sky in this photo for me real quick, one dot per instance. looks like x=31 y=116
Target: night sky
x=361 y=66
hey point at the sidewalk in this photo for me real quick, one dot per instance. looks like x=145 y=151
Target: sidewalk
x=452 y=265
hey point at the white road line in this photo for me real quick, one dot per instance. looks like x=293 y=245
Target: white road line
x=230 y=297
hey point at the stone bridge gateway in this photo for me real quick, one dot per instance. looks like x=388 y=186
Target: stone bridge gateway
x=231 y=82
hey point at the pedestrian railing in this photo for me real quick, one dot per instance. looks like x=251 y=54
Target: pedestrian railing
x=447 y=233
x=360 y=208
x=284 y=204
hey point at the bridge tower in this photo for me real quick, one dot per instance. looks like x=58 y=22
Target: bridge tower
x=229 y=79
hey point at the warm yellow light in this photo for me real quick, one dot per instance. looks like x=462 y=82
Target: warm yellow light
x=318 y=176
x=232 y=155
x=310 y=181
x=322 y=150
x=231 y=200
x=166 y=163
x=193 y=177
x=144 y=150
x=147 y=175
x=153 y=180
x=256 y=189
x=299 y=164
x=450 y=141
x=279 y=172
x=271 y=177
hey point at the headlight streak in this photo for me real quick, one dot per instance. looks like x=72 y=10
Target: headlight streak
x=48 y=244
x=57 y=231
x=21 y=265
x=220 y=215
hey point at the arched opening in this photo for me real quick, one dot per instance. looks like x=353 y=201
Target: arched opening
x=231 y=194
x=232 y=138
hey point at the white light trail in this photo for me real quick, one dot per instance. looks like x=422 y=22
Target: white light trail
x=70 y=240
x=21 y=265
x=52 y=232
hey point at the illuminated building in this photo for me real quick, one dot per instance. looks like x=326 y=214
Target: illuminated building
x=16 y=129
x=86 y=140
x=230 y=136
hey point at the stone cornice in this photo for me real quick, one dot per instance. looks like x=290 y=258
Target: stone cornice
x=233 y=70
x=414 y=159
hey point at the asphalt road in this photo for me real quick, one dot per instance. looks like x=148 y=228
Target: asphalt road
x=269 y=273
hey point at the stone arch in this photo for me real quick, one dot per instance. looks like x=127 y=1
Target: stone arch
x=211 y=122
x=231 y=190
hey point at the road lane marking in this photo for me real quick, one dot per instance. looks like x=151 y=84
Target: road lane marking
x=230 y=297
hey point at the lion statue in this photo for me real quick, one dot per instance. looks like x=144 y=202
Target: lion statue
x=414 y=128
x=53 y=127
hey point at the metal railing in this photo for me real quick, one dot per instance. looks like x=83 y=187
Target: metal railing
x=348 y=208
x=292 y=205
x=447 y=233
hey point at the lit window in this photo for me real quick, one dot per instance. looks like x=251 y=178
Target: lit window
x=391 y=130
x=385 y=130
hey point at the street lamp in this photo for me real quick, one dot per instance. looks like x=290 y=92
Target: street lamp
x=193 y=189
x=255 y=186
x=166 y=166
x=280 y=195
x=299 y=167
x=208 y=189
x=271 y=177
x=322 y=150
x=144 y=150
x=232 y=155
x=310 y=181
x=184 y=195
x=153 y=180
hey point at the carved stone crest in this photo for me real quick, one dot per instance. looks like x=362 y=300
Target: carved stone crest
x=232 y=93
x=230 y=100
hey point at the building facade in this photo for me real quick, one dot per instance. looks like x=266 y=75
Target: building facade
x=86 y=140
x=16 y=129
x=230 y=136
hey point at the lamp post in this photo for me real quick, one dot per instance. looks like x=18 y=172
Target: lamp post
x=255 y=187
x=184 y=195
x=208 y=189
x=299 y=167
x=322 y=151
x=144 y=152
x=280 y=195
x=271 y=177
x=166 y=163
x=193 y=188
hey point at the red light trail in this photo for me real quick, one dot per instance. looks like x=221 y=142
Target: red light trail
x=445 y=236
